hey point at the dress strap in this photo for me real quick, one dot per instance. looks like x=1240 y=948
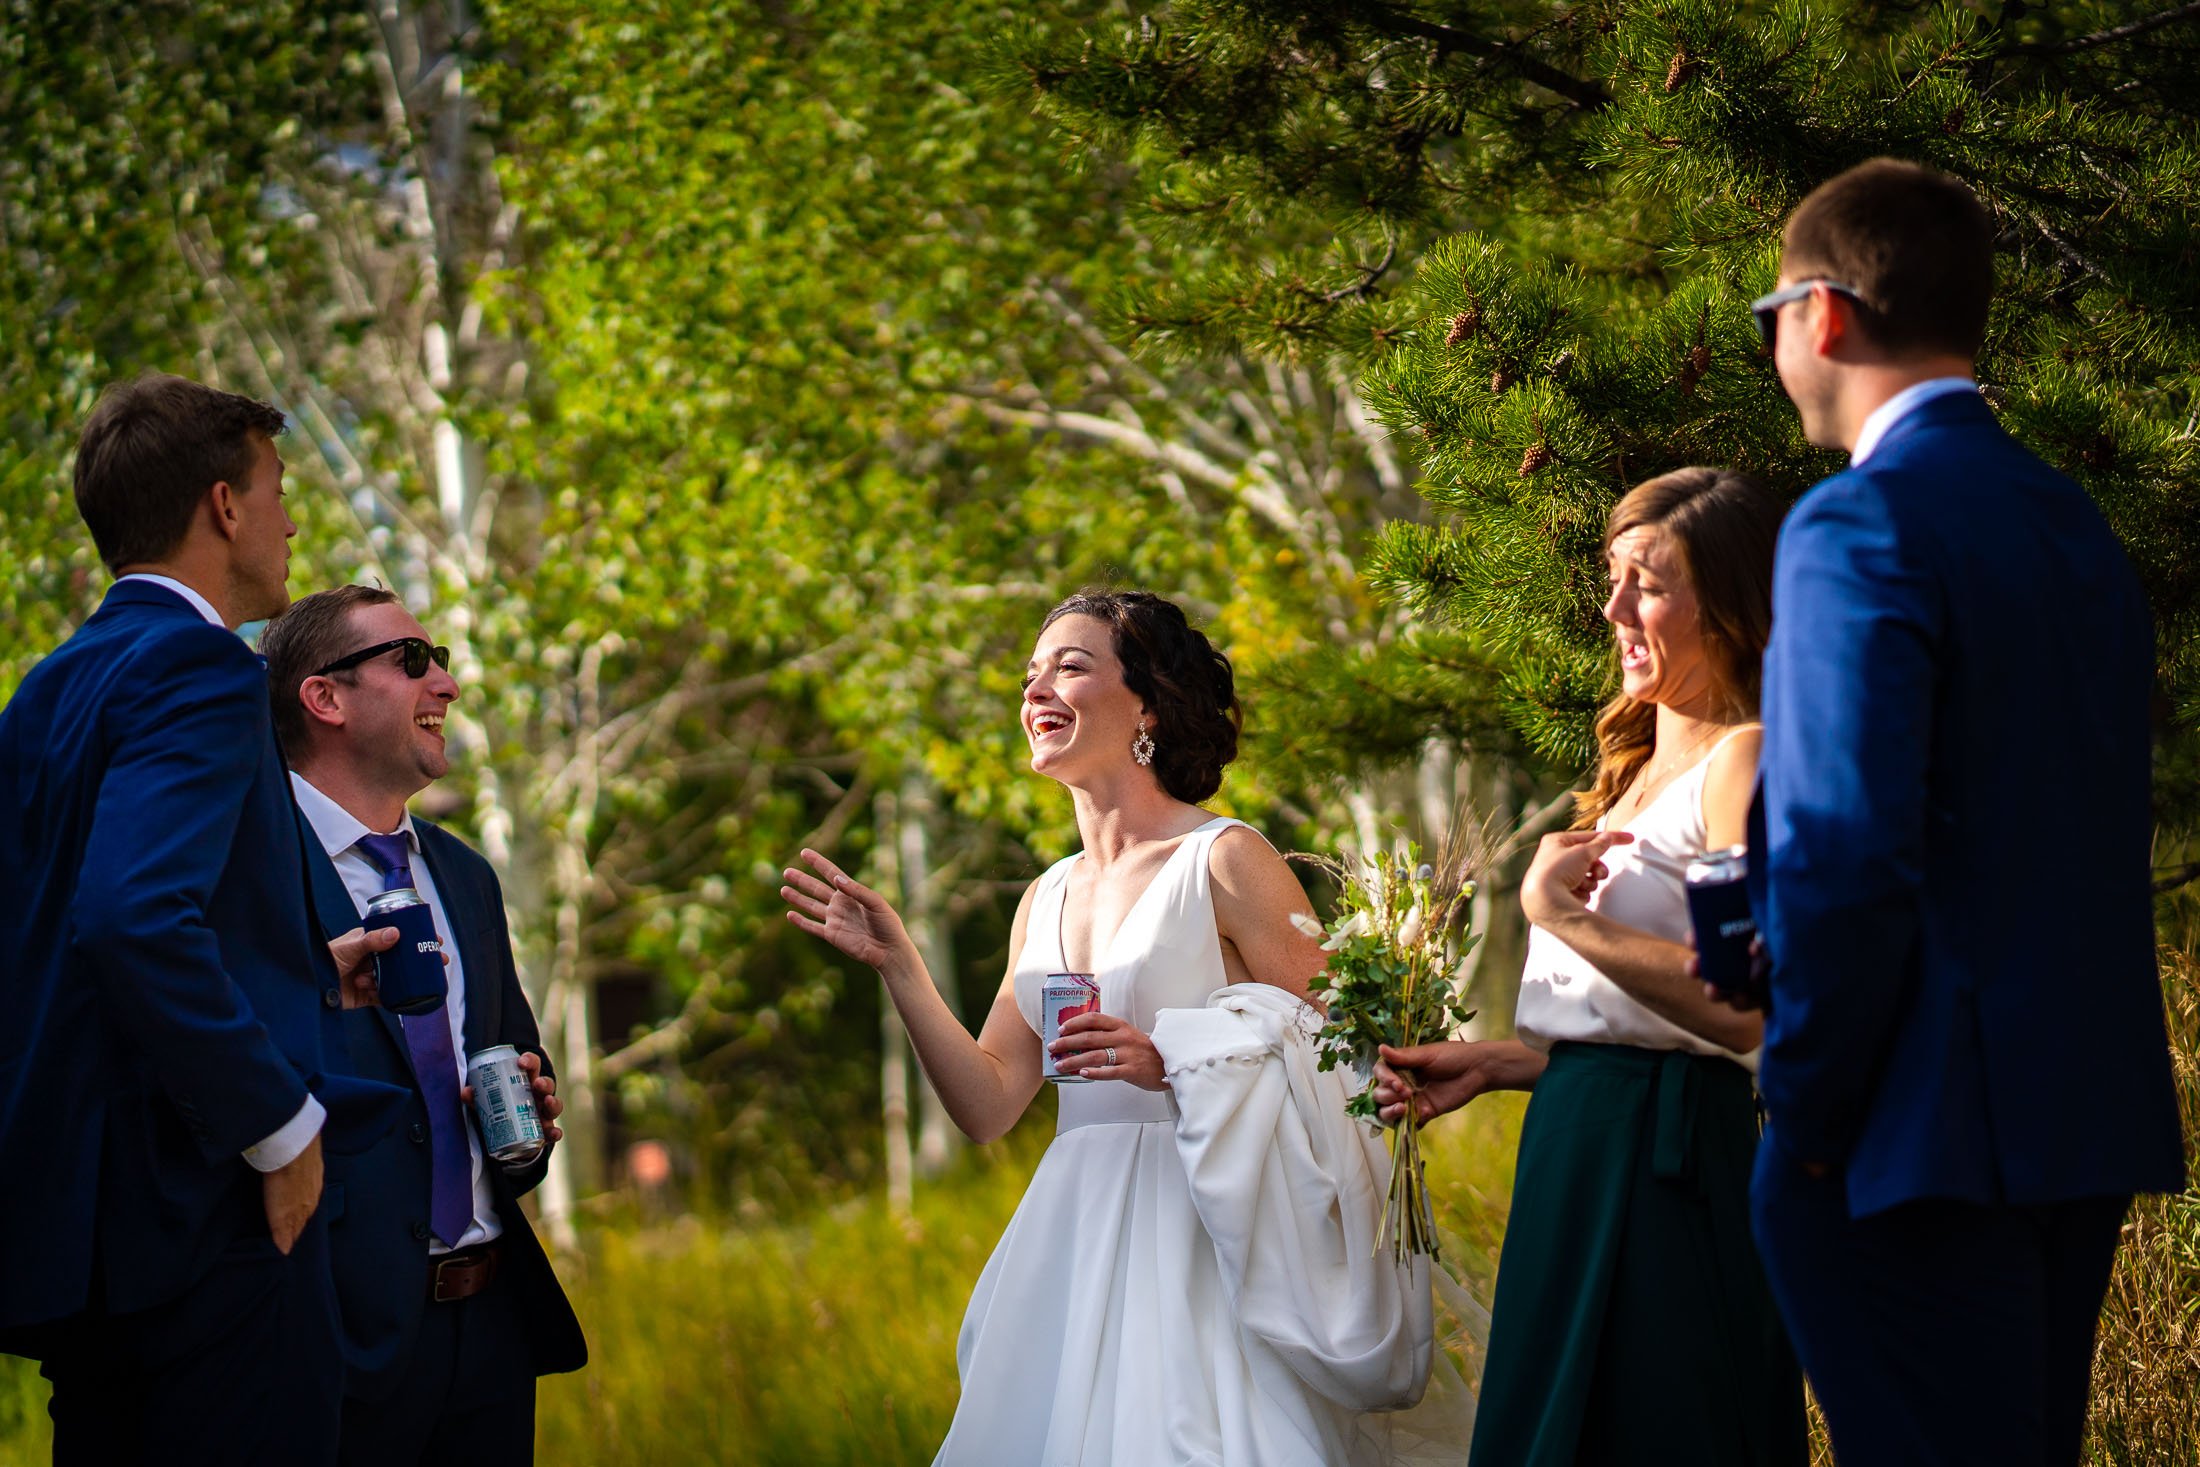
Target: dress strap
x=1739 y=728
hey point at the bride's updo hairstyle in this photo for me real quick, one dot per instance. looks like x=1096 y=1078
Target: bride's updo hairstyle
x=1722 y=526
x=1177 y=673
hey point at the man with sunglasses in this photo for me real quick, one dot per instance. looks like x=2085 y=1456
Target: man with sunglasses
x=165 y=1104
x=450 y=1309
x=1965 y=1074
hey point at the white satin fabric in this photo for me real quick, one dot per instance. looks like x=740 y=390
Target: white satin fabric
x=1192 y=1276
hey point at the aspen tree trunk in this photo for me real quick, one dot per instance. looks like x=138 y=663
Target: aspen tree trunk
x=925 y=913
x=893 y=1069
x=447 y=186
x=1436 y=791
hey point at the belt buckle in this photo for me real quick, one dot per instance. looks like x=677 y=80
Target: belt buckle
x=450 y=1265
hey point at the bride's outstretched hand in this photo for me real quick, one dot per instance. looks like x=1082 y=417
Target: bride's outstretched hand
x=846 y=913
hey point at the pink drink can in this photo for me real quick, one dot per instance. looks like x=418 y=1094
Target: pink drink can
x=1063 y=997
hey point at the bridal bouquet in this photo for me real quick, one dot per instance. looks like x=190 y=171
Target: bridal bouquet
x=1394 y=949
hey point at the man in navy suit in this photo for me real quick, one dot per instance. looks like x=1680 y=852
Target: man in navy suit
x=450 y=1308
x=1965 y=1074
x=163 y=1099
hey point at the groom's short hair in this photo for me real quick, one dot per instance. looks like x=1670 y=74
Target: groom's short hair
x=149 y=452
x=313 y=632
x=1915 y=243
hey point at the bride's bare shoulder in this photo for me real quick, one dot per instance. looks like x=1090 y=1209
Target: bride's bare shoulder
x=1242 y=864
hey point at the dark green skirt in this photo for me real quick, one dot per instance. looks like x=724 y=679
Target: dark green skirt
x=1632 y=1323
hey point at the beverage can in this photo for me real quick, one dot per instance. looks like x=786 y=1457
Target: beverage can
x=411 y=975
x=1061 y=998
x=1718 y=910
x=504 y=1105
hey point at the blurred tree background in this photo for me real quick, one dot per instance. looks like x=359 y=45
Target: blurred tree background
x=734 y=385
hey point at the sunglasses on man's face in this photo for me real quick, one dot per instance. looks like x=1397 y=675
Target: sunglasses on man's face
x=1766 y=308
x=418 y=654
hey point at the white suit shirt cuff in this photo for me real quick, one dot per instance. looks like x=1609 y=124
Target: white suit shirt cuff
x=282 y=1148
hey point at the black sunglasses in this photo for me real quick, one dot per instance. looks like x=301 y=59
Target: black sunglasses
x=418 y=654
x=1766 y=308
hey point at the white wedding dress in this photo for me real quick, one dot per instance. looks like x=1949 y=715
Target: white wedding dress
x=1192 y=1277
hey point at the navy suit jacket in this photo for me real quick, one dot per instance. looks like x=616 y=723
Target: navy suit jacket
x=1953 y=832
x=162 y=982
x=378 y=1199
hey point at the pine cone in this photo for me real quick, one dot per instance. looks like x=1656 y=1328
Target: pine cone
x=1562 y=363
x=1500 y=380
x=1538 y=455
x=1699 y=360
x=1677 y=75
x=1953 y=122
x=2102 y=455
x=1464 y=325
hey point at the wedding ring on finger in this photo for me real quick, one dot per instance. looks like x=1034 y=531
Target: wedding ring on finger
x=1111 y=1056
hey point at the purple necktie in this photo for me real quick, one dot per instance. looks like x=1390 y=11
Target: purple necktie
x=435 y=1065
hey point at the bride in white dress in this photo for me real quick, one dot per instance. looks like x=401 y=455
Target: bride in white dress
x=1192 y=1276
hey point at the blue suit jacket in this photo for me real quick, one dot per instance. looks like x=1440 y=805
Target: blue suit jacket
x=162 y=983
x=1953 y=829
x=378 y=1199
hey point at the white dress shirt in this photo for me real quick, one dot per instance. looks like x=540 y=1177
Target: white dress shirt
x=1900 y=406
x=339 y=831
x=282 y=1148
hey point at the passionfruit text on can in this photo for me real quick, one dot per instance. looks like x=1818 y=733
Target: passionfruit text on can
x=1063 y=997
x=504 y=1105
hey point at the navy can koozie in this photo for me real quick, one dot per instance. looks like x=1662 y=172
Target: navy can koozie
x=1718 y=910
x=410 y=974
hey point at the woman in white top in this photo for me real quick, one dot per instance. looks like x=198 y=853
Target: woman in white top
x=1191 y=1276
x=1631 y=1321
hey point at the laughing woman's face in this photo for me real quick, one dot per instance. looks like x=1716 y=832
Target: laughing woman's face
x=1654 y=620
x=1078 y=714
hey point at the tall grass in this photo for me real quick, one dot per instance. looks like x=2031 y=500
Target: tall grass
x=834 y=1341
x=831 y=1339
x=2146 y=1368
x=26 y=1434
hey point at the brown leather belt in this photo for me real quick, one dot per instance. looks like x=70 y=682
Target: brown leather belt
x=463 y=1274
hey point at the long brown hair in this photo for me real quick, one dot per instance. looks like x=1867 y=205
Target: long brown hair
x=1721 y=526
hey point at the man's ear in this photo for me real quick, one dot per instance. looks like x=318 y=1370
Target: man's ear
x=1833 y=322
x=318 y=696
x=221 y=507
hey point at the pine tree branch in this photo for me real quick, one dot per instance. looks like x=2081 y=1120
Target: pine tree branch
x=2176 y=876
x=2063 y=247
x=1369 y=274
x=2108 y=37
x=1586 y=95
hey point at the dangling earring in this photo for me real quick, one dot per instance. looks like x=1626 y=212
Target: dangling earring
x=1142 y=746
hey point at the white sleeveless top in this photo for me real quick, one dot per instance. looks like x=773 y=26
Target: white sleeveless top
x=1562 y=996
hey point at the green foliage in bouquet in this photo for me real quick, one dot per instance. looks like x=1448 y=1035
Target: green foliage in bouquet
x=1395 y=948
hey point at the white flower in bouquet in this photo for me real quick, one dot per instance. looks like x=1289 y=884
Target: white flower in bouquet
x=1341 y=936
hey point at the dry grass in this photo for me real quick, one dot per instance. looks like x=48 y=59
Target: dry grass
x=2146 y=1369
x=831 y=1339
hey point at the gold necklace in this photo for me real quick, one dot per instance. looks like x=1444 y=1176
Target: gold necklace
x=1657 y=774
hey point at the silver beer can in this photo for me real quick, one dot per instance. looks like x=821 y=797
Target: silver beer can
x=504 y=1105
x=1063 y=997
